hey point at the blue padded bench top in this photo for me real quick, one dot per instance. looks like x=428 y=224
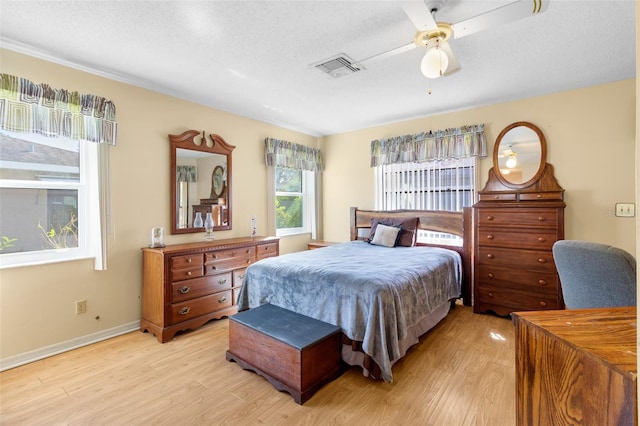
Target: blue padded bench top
x=289 y=327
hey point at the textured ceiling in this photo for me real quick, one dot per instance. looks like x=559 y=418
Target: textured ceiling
x=254 y=58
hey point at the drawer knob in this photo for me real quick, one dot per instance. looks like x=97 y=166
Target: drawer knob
x=541 y=218
x=542 y=260
x=496 y=197
x=248 y=261
x=213 y=267
x=489 y=237
x=489 y=217
x=222 y=299
x=189 y=260
x=222 y=281
x=490 y=256
x=539 y=196
x=490 y=294
x=490 y=275
x=543 y=303
x=185 y=290
x=185 y=310
x=542 y=282
x=188 y=273
x=542 y=239
x=248 y=251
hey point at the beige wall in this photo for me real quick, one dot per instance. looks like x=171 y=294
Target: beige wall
x=590 y=137
x=590 y=134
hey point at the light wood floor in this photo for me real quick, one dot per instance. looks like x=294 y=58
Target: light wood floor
x=461 y=373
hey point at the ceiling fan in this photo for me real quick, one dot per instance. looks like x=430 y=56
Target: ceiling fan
x=439 y=59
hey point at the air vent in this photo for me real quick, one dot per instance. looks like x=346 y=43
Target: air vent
x=338 y=66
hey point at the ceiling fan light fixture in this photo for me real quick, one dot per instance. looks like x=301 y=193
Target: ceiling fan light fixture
x=512 y=162
x=435 y=62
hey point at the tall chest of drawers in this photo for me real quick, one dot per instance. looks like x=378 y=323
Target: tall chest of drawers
x=186 y=285
x=513 y=266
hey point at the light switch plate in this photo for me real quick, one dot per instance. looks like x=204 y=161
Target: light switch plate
x=625 y=209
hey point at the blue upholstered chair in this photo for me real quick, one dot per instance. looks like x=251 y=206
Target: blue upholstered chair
x=595 y=275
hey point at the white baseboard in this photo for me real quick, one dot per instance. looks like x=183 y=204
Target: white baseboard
x=47 y=351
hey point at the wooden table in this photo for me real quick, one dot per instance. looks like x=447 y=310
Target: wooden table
x=576 y=367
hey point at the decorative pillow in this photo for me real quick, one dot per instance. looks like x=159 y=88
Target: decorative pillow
x=385 y=235
x=407 y=236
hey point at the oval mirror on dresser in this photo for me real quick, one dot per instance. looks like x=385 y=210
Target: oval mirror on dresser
x=519 y=154
x=517 y=219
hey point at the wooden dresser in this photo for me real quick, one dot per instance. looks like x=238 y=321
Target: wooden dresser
x=576 y=367
x=513 y=266
x=517 y=219
x=186 y=285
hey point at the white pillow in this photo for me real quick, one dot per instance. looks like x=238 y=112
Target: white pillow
x=385 y=235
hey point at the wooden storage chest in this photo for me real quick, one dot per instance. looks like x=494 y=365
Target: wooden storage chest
x=295 y=353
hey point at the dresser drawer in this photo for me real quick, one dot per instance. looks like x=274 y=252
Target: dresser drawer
x=186 y=261
x=516 y=300
x=200 y=306
x=226 y=266
x=186 y=274
x=539 y=280
x=267 y=250
x=238 y=277
x=230 y=254
x=537 y=240
x=521 y=218
x=191 y=289
x=523 y=259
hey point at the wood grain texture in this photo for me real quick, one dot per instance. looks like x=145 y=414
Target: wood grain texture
x=576 y=367
x=461 y=373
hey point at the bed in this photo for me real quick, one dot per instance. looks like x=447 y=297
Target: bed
x=382 y=297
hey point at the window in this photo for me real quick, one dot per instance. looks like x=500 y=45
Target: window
x=438 y=185
x=48 y=199
x=294 y=201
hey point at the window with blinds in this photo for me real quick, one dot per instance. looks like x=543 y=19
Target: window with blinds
x=443 y=185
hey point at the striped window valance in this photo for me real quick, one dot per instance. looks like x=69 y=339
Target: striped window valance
x=186 y=173
x=28 y=107
x=454 y=143
x=291 y=155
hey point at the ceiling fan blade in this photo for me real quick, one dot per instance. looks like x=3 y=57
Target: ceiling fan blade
x=420 y=15
x=502 y=15
x=387 y=54
x=454 y=65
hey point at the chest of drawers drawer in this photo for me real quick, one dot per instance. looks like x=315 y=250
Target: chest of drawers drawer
x=513 y=238
x=520 y=218
x=525 y=259
x=505 y=300
x=542 y=281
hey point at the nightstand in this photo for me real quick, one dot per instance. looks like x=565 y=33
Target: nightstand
x=316 y=244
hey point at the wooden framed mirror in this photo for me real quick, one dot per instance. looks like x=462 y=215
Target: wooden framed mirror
x=200 y=181
x=519 y=154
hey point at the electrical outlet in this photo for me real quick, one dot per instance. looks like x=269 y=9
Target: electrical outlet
x=81 y=307
x=625 y=209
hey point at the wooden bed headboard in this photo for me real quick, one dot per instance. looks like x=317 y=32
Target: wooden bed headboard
x=456 y=223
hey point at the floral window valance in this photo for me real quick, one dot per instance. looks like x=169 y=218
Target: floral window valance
x=292 y=155
x=27 y=107
x=455 y=143
x=186 y=173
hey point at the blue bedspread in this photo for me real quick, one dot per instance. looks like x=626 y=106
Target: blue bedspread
x=373 y=293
